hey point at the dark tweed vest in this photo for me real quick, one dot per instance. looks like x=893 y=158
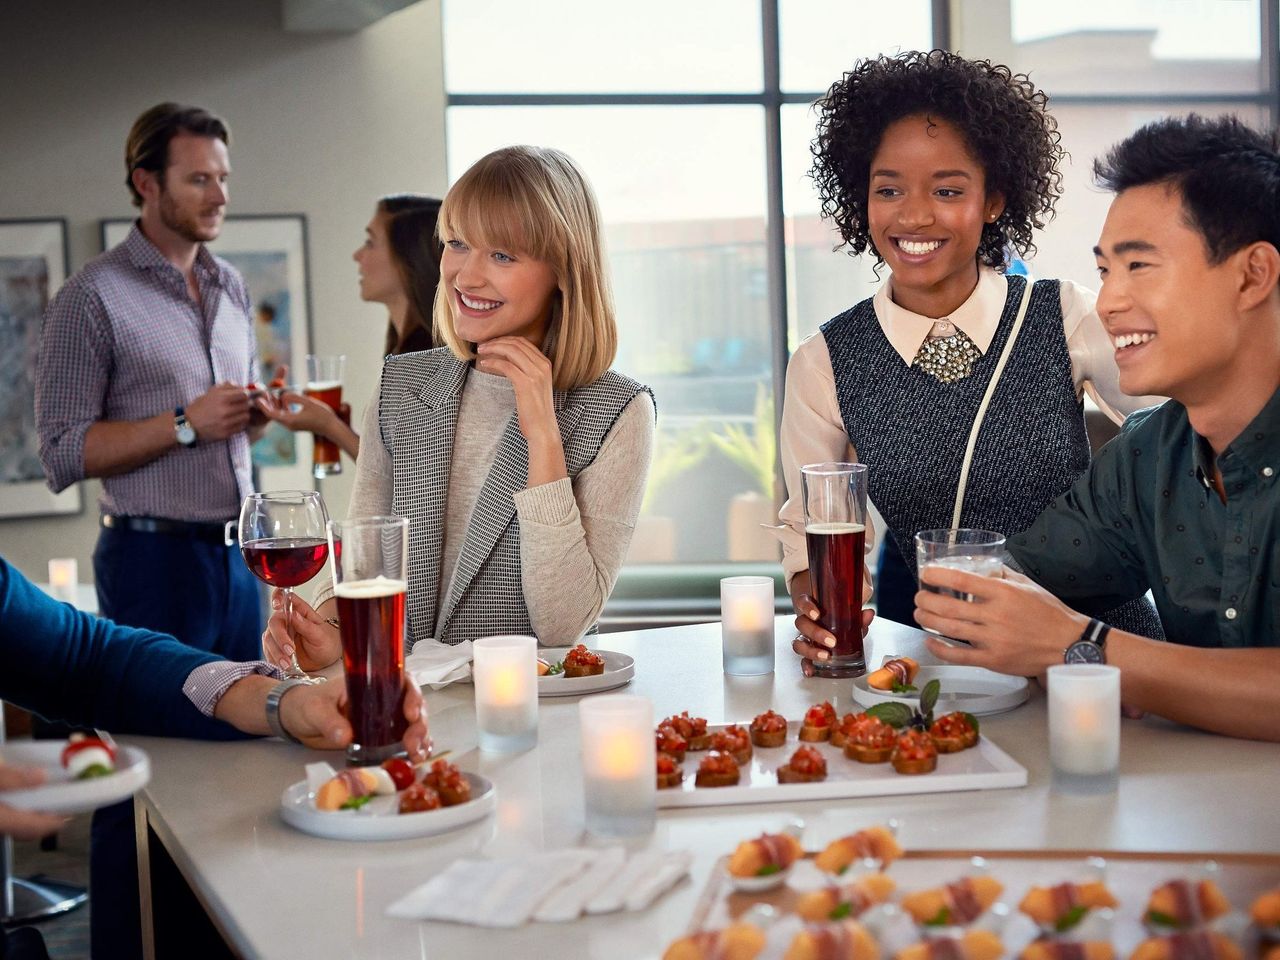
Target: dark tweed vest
x=418 y=415
x=911 y=429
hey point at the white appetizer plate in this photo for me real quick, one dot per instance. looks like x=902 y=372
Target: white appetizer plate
x=983 y=767
x=971 y=689
x=62 y=794
x=380 y=819
x=618 y=671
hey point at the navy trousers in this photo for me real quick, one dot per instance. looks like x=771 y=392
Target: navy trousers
x=25 y=943
x=204 y=595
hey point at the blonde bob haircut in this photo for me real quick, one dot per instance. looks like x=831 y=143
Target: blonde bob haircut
x=535 y=202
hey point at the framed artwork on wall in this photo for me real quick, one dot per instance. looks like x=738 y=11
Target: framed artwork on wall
x=270 y=251
x=33 y=265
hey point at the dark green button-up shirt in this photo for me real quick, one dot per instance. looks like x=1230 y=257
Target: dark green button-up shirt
x=1146 y=517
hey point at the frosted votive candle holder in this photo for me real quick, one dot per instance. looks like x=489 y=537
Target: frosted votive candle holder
x=1084 y=727
x=746 y=625
x=618 y=762
x=506 y=681
x=64 y=577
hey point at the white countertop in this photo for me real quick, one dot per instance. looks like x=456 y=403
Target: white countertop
x=278 y=893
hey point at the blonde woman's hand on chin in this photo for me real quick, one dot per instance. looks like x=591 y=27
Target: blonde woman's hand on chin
x=529 y=371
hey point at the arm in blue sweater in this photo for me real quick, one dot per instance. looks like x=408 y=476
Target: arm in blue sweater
x=65 y=664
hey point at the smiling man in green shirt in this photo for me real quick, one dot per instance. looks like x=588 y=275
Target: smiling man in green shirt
x=1186 y=501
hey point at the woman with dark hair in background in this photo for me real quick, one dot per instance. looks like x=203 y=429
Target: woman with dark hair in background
x=399 y=267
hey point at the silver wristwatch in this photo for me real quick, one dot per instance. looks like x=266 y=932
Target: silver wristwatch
x=183 y=428
x=273 y=707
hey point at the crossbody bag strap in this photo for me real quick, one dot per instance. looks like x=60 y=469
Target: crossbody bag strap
x=986 y=402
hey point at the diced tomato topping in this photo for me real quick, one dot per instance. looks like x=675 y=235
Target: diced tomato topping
x=809 y=762
x=418 y=799
x=874 y=732
x=952 y=725
x=769 y=722
x=820 y=715
x=849 y=723
x=916 y=745
x=669 y=741
x=580 y=656
x=717 y=762
x=686 y=725
x=732 y=738
x=667 y=764
x=445 y=775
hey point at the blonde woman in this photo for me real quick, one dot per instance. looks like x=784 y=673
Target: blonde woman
x=518 y=455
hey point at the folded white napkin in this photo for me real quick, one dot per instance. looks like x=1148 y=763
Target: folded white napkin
x=434 y=664
x=554 y=886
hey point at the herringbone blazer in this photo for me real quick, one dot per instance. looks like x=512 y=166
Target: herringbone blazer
x=418 y=415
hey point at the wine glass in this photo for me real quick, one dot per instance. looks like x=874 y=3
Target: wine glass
x=284 y=541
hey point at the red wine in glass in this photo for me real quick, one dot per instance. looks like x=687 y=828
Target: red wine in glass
x=283 y=541
x=285 y=561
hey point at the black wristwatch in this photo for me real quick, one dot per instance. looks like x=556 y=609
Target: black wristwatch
x=183 y=428
x=1091 y=647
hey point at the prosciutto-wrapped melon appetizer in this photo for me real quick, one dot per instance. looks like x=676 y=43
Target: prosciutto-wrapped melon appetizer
x=874 y=843
x=849 y=900
x=897 y=672
x=954 y=904
x=353 y=788
x=974 y=945
x=845 y=940
x=1194 y=945
x=742 y=941
x=1182 y=904
x=1051 y=906
x=767 y=854
x=1068 y=950
x=1265 y=911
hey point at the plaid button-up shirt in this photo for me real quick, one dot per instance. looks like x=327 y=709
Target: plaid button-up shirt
x=123 y=340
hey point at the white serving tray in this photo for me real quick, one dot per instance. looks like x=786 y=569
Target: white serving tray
x=984 y=767
x=971 y=689
x=618 y=671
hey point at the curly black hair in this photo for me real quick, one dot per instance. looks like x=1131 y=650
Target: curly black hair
x=1000 y=114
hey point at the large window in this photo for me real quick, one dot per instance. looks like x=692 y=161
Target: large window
x=694 y=121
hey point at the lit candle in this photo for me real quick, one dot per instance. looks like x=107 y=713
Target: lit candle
x=63 y=579
x=1084 y=720
x=506 y=681
x=746 y=624
x=618 y=764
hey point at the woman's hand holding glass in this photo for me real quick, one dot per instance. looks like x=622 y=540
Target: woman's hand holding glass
x=313 y=638
x=813 y=641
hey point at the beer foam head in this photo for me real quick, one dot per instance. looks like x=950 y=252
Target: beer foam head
x=371 y=589
x=830 y=529
x=324 y=384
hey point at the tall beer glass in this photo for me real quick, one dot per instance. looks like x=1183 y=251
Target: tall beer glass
x=324 y=383
x=835 y=527
x=370 y=580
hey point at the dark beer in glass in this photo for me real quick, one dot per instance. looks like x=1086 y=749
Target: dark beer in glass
x=835 y=513
x=324 y=383
x=370 y=582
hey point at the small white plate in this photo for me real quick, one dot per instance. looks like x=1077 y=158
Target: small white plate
x=971 y=689
x=383 y=821
x=618 y=671
x=61 y=793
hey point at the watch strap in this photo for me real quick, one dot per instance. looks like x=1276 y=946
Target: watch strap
x=1094 y=633
x=273 y=707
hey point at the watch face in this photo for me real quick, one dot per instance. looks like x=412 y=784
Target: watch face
x=1082 y=651
x=186 y=434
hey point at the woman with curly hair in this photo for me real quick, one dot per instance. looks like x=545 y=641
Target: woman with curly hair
x=961 y=386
